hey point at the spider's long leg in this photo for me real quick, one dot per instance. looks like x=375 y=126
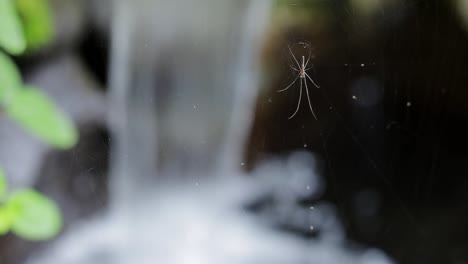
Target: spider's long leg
x=290 y=51
x=279 y=91
x=293 y=68
x=308 y=99
x=298 y=103
x=311 y=80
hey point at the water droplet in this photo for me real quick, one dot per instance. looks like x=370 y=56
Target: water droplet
x=308 y=187
x=362 y=64
x=194 y=106
x=311 y=208
x=354 y=97
x=311 y=227
x=408 y=104
x=305 y=145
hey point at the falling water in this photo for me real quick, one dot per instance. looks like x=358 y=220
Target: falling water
x=185 y=76
x=184 y=83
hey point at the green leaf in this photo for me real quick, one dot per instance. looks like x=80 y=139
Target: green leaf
x=38 y=114
x=5 y=220
x=3 y=184
x=5 y=216
x=10 y=79
x=11 y=33
x=36 y=17
x=35 y=217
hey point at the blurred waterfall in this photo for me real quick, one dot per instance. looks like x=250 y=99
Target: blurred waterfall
x=184 y=83
x=185 y=77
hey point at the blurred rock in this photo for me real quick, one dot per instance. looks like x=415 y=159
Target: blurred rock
x=70 y=21
x=77 y=178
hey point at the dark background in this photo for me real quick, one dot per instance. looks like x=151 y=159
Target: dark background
x=394 y=157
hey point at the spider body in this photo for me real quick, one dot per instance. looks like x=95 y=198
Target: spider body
x=302 y=73
x=302 y=70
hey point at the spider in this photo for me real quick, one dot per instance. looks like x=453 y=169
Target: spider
x=302 y=75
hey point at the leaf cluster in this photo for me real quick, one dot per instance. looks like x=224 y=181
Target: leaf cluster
x=27 y=25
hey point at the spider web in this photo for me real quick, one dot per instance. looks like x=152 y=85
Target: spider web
x=307 y=48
